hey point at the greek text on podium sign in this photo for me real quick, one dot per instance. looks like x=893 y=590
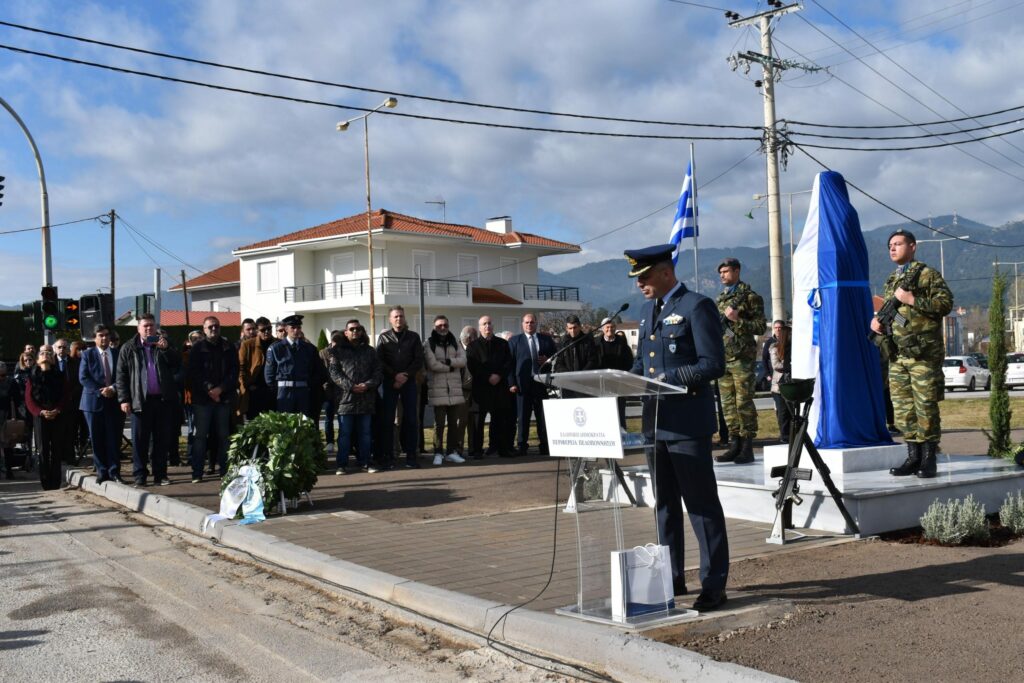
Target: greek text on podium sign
x=583 y=428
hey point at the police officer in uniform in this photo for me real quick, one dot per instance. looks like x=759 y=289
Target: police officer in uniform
x=915 y=352
x=291 y=367
x=742 y=316
x=681 y=344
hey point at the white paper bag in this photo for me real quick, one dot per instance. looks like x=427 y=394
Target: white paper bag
x=641 y=581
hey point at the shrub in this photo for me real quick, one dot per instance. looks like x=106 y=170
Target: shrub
x=955 y=521
x=1011 y=514
x=286 y=447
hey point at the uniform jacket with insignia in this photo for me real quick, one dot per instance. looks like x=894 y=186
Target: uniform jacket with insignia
x=682 y=347
x=921 y=337
x=741 y=336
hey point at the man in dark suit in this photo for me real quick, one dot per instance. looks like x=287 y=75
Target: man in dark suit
x=681 y=344
x=97 y=373
x=530 y=350
x=70 y=417
x=490 y=362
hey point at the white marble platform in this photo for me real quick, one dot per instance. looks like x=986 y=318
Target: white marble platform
x=877 y=501
x=840 y=462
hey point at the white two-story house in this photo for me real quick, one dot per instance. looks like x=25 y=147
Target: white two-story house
x=321 y=273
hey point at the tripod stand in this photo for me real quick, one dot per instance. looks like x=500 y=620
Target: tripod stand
x=798 y=397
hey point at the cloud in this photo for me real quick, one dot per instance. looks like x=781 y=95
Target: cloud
x=202 y=171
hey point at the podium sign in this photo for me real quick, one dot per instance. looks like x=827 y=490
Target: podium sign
x=583 y=428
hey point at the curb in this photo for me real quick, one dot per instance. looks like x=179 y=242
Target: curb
x=623 y=656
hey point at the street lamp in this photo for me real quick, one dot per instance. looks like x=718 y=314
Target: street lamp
x=942 y=253
x=792 y=274
x=1016 y=296
x=389 y=103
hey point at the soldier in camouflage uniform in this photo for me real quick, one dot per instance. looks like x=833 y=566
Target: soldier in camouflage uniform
x=742 y=312
x=915 y=351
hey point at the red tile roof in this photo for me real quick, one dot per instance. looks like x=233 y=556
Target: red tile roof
x=226 y=318
x=388 y=220
x=228 y=274
x=486 y=295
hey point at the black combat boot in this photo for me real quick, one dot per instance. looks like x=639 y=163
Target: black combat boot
x=912 y=462
x=927 y=467
x=746 y=451
x=735 y=445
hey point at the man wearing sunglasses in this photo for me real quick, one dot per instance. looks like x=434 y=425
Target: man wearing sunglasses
x=213 y=381
x=254 y=396
x=356 y=371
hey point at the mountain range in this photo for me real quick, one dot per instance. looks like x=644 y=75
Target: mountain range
x=968 y=266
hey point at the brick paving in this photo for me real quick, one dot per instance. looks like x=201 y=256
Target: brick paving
x=484 y=528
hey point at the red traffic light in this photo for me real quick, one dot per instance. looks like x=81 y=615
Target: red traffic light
x=49 y=293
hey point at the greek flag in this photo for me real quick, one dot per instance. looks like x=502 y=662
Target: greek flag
x=685 y=223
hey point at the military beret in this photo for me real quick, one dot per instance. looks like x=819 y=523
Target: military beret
x=903 y=233
x=642 y=260
x=729 y=263
x=292 y=320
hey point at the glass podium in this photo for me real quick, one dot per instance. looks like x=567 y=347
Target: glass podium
x=609 y=529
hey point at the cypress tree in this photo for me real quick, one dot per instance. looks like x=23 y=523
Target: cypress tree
x=999 y=399
x=321 y=342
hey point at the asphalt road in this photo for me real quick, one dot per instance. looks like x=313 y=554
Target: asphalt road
x=90 y=592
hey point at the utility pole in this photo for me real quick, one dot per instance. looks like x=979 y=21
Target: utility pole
x=157 y=299
x=184 y=294
x=113 y=294
x=772 y=69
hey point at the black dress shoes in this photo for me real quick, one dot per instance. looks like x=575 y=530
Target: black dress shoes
x=709 y=601
x=102 y=479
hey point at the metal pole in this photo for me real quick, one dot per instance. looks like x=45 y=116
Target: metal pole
x=114 y=217
x=693 y=191
x=792 y=271
x=423 y=312
x=369 y=229
x=942 y=258
x=184 y=293
x=157 y=299
x=48 y=335
x=772 y=160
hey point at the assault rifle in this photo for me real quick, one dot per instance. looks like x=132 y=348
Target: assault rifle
x=889 y=314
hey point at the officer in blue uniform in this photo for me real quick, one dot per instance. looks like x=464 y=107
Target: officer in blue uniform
x=290 y=366
x=681 y=344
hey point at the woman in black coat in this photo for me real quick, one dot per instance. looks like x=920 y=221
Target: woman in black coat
x=47 y=394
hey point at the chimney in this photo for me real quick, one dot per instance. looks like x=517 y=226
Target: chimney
x=500 y=224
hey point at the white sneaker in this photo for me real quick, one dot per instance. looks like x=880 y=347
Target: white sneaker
x=454 y=457
x=331 y=448
x=438 y=459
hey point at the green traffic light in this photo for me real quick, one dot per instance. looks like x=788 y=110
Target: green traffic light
x=50 y=322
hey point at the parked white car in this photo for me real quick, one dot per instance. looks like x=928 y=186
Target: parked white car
x=965 y=372
x=1014 y=370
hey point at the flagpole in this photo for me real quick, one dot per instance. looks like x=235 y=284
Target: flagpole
x=693 y=191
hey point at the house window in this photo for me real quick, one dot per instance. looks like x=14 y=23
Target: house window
x=509 y=270
x=343 y=267
x=266 y=276
x=215 y=305
x=425 y=260
x=469 y=268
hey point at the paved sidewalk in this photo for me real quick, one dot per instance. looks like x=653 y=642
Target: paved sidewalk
x=483 y=528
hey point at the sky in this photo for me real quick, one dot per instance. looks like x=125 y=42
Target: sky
x=194 y=172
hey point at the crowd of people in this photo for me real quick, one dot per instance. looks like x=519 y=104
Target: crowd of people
x=75 y=395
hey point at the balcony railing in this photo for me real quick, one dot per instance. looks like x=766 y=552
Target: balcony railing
x=383 y=286
x=551 y=293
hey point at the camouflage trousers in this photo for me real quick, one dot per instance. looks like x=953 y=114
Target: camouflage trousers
x=916 y=387
x=737 y=389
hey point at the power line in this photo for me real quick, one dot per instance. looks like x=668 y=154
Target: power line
x=52 y=225
x=313 y=81
x=333 y=105
x=948 y=143
x=896 y=85
x=969 y=117
x=697 y=4
x=169 y=252
x=907 y=71
x=896 y=113
x=900 y=213
x=622 y=227
x=910 y=137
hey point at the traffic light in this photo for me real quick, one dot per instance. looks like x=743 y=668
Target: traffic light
x=144 y=303
x=51 y=308
x=2 y=179
x=96 y=309
x=32 y=315
x=72 y=317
